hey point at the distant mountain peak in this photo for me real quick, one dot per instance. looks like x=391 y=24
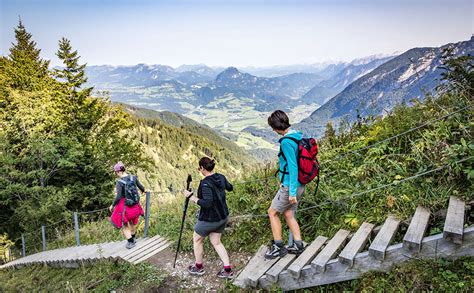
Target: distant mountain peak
x=232 y=73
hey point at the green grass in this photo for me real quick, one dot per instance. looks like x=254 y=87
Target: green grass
x=101 y=277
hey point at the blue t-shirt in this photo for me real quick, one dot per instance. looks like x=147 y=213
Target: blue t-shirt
x=290 y=150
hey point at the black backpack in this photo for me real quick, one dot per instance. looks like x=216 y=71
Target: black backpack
x=130 y=191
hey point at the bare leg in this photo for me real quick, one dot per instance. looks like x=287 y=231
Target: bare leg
x=198 y=243
x=215 y=239
x=292 y=224
x=133 y=228
x=127 y=230
x=275 y=223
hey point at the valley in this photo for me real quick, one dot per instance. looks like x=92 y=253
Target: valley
x=236 y=103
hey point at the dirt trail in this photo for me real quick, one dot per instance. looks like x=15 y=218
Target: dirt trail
x=180 y=279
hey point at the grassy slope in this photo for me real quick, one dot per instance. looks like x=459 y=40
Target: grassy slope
x=102 y=277
x=442 y=142
x=174 y=145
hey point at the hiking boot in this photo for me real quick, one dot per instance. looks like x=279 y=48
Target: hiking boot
x=276 y=251
x=225 y=275
x=193 y=270
x=130 y=245
x=295 y=248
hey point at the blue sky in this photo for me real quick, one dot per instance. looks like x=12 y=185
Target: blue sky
x=239 y=33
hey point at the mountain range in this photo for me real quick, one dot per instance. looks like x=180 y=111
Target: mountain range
x=236 y=102
x=410 y=75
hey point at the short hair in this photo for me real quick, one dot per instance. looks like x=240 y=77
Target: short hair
x=279 y=120
x=207 y=163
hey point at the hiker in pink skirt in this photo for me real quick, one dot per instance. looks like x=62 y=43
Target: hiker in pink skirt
x=126 y=208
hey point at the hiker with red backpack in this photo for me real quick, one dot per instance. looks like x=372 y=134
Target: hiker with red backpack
x=297 y=167
x=126 y=208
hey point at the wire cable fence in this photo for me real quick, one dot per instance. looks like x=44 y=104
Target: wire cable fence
x=37 y=240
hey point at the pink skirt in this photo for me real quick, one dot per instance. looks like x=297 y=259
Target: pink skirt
x=132 y=214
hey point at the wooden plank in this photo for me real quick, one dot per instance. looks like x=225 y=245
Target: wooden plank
x=433 y=247
x=259 y=270
x=416 y=230
x=157 y=250
x=308 y=254
x=143 y=246
x=276 y=269
x=159 y=242
x=453 y=226
x=241 y=278
x=320 y=261
x=117 y=247
x=384 y=237
x=356 y=244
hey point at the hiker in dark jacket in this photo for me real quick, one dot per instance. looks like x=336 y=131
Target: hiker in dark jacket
x=213 y=217
x=124 y=215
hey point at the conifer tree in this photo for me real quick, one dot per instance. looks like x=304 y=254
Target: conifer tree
x=330 y=133
x=27 y=71
x=73 y=74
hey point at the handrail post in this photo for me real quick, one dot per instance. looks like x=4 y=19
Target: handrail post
x=76 y=227
x=147 y=213
x=23 y=248
x=43 y=235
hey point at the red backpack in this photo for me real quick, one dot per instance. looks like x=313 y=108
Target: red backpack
x=307 y=158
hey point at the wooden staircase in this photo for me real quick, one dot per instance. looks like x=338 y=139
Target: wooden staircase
x=77 y=255
x=327 y=261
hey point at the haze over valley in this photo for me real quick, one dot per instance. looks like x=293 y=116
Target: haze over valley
x=236 y=101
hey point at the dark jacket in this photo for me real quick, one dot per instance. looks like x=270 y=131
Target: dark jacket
x=119 y=188
x=212 y=200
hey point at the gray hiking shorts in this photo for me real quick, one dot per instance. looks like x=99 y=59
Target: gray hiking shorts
x=281 y=202
x=205 y=228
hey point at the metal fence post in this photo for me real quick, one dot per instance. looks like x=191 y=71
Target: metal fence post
x=147 y=213
x=43 y=235
x=23 y=248
x=76 y=227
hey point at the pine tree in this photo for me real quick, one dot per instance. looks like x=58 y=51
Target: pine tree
x=330 y=133
x=73 y=74
x=27 y=71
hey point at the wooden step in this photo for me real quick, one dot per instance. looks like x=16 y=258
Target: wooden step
x=128 y=255
x=384 y=237
x=308 y=254
x=157 y=250
x=259 y=269
x=454 y=224
x=356 y=244
x=150 y=248
x=416 y=230
x=143 y=245
x=242 y=277
x=276 y=269
x=320 y=261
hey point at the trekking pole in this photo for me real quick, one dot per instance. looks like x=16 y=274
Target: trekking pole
x=186 y=202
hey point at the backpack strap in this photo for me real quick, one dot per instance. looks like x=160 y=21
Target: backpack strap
x=123 y=187
x=290 y=138
x=282 y=154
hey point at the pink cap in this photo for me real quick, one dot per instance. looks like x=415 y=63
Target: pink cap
x=119 y=166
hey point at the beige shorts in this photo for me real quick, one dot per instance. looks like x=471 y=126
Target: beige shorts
x=281 y=201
